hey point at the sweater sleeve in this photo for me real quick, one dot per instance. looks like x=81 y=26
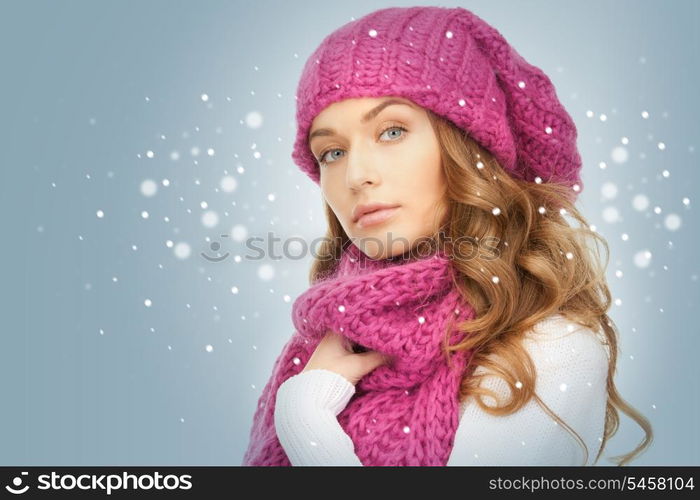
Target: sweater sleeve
x=571 y=379
x=571 y=365
x=306 y=408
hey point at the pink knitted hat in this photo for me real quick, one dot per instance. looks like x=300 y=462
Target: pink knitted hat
x=452 y=62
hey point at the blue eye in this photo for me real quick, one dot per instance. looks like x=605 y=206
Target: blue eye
x=394 y=128
x=321 y=157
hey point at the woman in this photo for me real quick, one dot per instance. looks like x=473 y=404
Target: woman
x=455 y=316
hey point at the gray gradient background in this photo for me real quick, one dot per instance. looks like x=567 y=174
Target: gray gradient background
x=88 y=87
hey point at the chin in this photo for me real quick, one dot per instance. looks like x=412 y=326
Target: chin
x=377 y=247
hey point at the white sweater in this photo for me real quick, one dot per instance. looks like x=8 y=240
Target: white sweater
x=571 y=365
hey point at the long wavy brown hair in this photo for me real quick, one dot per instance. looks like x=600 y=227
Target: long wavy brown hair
x=544 y=264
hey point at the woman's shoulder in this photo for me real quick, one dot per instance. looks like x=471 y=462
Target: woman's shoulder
x=571 y=367
x=557 y=345
x=558 y=342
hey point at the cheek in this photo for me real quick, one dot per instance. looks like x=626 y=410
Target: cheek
x=424 y=187
x=330 y=186
x=337 y=199
x=421 y=175
x=330 y=194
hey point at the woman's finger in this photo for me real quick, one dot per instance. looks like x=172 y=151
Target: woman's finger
x=336 y=342
x=371 y=360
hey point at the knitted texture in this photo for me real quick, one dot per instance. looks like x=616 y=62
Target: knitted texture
x=405 y=412
x=452 y=62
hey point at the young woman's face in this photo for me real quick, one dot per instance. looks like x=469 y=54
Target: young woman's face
x=380 y=150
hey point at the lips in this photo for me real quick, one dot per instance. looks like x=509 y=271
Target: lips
x=376 y=216
x=364 y=208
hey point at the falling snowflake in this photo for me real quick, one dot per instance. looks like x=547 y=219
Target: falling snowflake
x=149 y=187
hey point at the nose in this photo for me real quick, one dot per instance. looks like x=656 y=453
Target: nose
x=361 y=170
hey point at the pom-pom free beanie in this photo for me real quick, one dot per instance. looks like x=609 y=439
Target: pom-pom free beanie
x=453 y=63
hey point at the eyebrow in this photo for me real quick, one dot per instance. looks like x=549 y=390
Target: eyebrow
x=365 y=118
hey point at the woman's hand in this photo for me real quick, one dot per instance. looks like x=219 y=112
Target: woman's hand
x=334 y=353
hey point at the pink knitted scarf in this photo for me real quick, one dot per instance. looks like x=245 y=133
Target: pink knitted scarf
x=402 y=413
